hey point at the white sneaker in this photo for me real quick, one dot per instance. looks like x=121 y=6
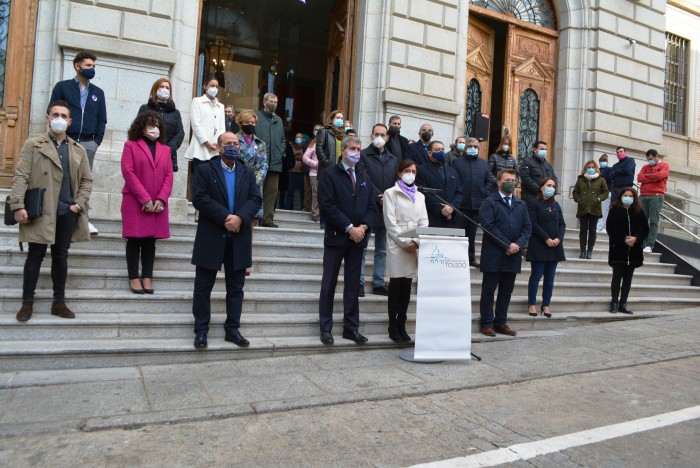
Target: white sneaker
x=93 y=229
x=647 y=249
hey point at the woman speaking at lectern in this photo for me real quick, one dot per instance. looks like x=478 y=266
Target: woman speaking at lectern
x=404 y=209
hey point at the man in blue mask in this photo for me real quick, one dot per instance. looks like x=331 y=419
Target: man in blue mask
x=534 y=169
x=225 y=193
x=438 y=175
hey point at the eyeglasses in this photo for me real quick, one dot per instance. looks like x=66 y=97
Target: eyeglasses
x=472 y=146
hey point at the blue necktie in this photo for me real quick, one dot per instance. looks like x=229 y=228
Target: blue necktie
x=508 y=201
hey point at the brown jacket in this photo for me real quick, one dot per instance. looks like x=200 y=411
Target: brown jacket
x=39 y=166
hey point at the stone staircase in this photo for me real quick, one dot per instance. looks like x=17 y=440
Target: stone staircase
x=280 y=313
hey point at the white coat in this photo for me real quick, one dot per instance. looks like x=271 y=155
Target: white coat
x=208 y=121
x=400 y=214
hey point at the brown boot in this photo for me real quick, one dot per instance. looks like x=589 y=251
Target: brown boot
x=25 y=313
x=59 y=308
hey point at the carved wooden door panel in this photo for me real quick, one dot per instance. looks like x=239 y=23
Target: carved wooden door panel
x=480 y=49
x=339 y=76
x=530 y=85
x=17 y=36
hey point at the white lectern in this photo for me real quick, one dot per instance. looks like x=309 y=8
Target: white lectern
x=443 y=307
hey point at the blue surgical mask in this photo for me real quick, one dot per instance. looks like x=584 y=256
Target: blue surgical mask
x=315 y=132
x=472 y=151
x=652 y=162
x=337 y=123
x=353 y=157
x=231 y=152
x=439 y=155
x=548 y=192
x=542 y=153
x=297 y=141
x=590 y=171
x=627 y=201
x=603 y=164
x=461 y=146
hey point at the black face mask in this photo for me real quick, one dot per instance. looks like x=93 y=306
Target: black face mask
x=425 y=136
x=248 y=129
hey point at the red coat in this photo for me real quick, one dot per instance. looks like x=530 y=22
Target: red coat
x=145 y=179
x=653 y=178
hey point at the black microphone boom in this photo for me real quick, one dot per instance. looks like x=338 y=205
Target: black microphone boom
x=428 y=190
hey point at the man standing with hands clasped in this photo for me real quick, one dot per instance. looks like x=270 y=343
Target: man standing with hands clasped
x=506 y=222
x=225 y=193
x=347 y=203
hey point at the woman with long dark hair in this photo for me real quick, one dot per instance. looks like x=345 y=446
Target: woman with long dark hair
x=627 y=228
x=328 y=141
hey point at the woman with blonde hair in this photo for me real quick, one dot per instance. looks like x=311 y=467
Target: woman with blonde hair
x=161 y=101
x=590 y=189
x=328 y=141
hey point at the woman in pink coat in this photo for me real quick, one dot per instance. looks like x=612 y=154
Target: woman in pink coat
x=148 y=181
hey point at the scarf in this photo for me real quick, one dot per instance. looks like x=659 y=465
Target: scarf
x=409 y=190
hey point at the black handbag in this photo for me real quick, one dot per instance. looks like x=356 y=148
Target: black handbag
x=33 y=203
x=9 y=214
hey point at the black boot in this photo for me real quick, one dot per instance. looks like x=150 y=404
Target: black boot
x=582 y=254
x=404 y=300
x=613 y=306
x=392 y=307
x=589 y=254
x=401 y=322
x=622 y=308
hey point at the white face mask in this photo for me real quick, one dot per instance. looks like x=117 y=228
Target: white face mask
x=152 y=133
x=378 y=142
x=163 y=94
x=212 y=91
x=505 y=147
x=408 y=178
x=59 y=125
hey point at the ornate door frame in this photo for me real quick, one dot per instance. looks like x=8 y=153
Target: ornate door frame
x=341 y=53
x=480 y=50
x=16 y=105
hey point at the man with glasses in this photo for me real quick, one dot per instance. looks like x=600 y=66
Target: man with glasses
x=622 y=173
x=476 y=180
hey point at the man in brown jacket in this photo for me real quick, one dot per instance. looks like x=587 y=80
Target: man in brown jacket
x=56 y=163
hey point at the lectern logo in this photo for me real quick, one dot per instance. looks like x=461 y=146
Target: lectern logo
x=437 y=257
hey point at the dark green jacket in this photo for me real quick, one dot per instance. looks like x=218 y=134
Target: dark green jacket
x=588 y=194
x=270 y=129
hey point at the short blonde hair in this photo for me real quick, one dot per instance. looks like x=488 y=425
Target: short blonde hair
x=245 y=114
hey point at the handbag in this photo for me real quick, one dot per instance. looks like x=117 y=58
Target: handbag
x=9 y=214
x=33 y=203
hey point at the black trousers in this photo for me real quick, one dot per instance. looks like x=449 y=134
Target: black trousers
x=399 y=298
x=203 y=284
x=587 y=231
x=65 y=224
x=332 y=258
x=470 y=231
x=621 y=275
x=504 y=282
x=145 y=248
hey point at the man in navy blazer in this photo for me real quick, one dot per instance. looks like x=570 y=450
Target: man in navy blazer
x=438 y=175
x=225 y=193
x=622 y=172
x=507 y=228
x=347 y=202
x=418 y=151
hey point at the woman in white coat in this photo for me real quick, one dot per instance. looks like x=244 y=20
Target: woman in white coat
x=404 y=208
x=208 y=121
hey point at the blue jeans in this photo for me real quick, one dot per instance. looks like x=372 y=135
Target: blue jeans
x=548 y=269
x=379 y=258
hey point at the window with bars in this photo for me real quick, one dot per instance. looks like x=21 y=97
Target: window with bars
x=676 y=84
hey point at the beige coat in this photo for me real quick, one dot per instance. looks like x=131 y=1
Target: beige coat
x=400 y=214
x=39 y=166
x=208 y=121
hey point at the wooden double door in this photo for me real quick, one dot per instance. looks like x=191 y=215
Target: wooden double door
x=511 y=77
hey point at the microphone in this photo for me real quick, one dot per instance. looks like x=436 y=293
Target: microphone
x=428 y=189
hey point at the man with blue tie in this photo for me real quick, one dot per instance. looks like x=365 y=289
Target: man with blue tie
x=348 y=205
x=507 y=228
x=225 y=193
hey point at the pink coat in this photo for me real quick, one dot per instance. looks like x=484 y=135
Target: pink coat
x=145 y=179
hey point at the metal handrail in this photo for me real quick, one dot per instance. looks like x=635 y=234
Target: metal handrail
x=680 y=227
x=687 y=200
x=678 y=210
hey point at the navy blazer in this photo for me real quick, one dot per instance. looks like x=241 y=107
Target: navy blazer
x=450 y=190
x=476 y=180
x=508 y=224
x=210 y=197
x=340 y=206
x=623 y=173
x=93 y=122
x=417 y=152
x=547 y=223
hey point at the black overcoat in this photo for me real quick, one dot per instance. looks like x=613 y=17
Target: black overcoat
x=509 y=225
x=624 y=222
x=417 y=152
x=381 y=172
x=547 y=223
x=450 y=190
x=475 y=179
x=174 y=131
x=532 y=171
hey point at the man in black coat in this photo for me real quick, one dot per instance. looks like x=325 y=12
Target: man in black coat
x=476 y=181
x=231 y=124
x=225 y=193
x=418 y=151
x=533 y=170
x=381 y=167
x=397 y=144
x=621 y=173
x=438 y=175
x=347 y=202
x=507 y=228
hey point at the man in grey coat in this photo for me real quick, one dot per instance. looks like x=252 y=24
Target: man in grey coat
x=270 y=129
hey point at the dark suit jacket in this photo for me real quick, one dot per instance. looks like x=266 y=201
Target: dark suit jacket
x=94 y=117
x=381 y=173
x=476 y=180
x=508 y=224
x=417 y=152
x=209 y=196
x=451 y=190
x=340 y=207
x=622 y=173
x=398 y=146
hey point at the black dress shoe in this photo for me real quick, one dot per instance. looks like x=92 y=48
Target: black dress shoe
x=613 y=307
x=270 y=225
x=474 y=263
x=622 y=308
x=235 y=337
x=200 y=341
x=326 y=338
x=381 y=290
x=355 y=336
x=361 y=292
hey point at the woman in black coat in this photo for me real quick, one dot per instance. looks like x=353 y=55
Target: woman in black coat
x=545 y=249
x=328 y=141
x=161 y=101
x=627 y=228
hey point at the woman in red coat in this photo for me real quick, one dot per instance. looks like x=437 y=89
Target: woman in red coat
x=148 y=181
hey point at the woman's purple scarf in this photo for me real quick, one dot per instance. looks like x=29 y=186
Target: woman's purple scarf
x=409 y=190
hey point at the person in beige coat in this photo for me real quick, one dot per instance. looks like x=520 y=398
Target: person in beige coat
x=56 y=163
x=404 y=208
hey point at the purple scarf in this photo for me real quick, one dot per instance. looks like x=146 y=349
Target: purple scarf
x=409 y=190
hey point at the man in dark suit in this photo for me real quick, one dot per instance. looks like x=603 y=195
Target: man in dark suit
x=225 y=193
x=507 y=228
x=231 y=125
x=438 y=175
x=418 y=151
x=396 y=144
x=347 y=202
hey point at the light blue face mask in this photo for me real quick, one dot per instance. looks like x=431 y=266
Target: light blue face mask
x=542 y=153
x=590 y=171
x=297 y=141
x=461 y=146
x=652 y=162
x=603 y=164
x=472 y=151
x=337 y=123
x=627 y=201
x=549 y=192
